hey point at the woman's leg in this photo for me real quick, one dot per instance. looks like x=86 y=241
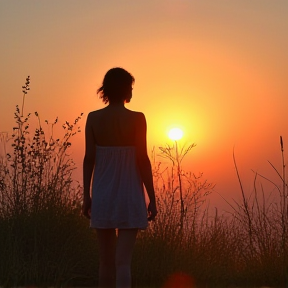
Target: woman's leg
x=124 y=248
x=106 y=244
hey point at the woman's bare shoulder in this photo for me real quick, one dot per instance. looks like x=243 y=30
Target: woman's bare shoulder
x=95 y=113
x=137 y=114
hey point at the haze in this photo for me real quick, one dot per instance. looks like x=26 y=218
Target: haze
x=217 y=69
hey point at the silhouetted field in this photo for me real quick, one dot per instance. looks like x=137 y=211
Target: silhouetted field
x=45 y=241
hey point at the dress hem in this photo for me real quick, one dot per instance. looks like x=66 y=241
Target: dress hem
x=140 y=228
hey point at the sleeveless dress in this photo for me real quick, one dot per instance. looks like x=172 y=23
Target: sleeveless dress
x=118 y=199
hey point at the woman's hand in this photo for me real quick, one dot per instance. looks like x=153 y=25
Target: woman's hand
x=86 y=207
x=152 y=211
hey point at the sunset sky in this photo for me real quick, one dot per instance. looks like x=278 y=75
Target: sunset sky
x=216 y=68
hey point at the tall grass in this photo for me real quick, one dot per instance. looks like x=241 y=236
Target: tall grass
x=45 y=241
x=245 y=247
x=40 y=219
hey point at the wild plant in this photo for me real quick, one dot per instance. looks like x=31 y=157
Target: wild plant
x=243 y=247
x=186 y=191
x=38 y=170
x=261 y=219
x=40 y=204
x=167 y=243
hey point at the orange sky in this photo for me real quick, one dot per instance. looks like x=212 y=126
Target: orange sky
x=216 y=68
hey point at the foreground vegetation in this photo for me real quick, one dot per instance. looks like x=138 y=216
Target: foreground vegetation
x=44 y=240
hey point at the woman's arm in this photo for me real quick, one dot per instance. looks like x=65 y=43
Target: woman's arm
x=144 y=163
x=88 y=166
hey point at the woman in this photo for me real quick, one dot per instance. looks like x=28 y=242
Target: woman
x=116 y=157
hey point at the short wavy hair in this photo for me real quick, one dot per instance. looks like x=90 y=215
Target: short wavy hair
x=116 y=85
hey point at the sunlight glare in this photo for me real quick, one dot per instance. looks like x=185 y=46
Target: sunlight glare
x=175 y=134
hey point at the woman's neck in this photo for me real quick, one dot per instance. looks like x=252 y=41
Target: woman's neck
x=116 y=104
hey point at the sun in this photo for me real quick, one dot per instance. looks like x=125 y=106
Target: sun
x=175 y=134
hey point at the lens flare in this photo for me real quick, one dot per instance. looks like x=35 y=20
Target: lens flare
x=179 y=280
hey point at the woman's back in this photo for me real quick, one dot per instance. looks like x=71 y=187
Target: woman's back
x=114 y=125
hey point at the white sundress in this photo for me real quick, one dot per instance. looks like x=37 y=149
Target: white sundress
x=118 y=199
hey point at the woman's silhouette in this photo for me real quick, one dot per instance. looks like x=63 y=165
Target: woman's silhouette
x=116 y=165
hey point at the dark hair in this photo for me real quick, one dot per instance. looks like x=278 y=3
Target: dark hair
x=116 y=85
